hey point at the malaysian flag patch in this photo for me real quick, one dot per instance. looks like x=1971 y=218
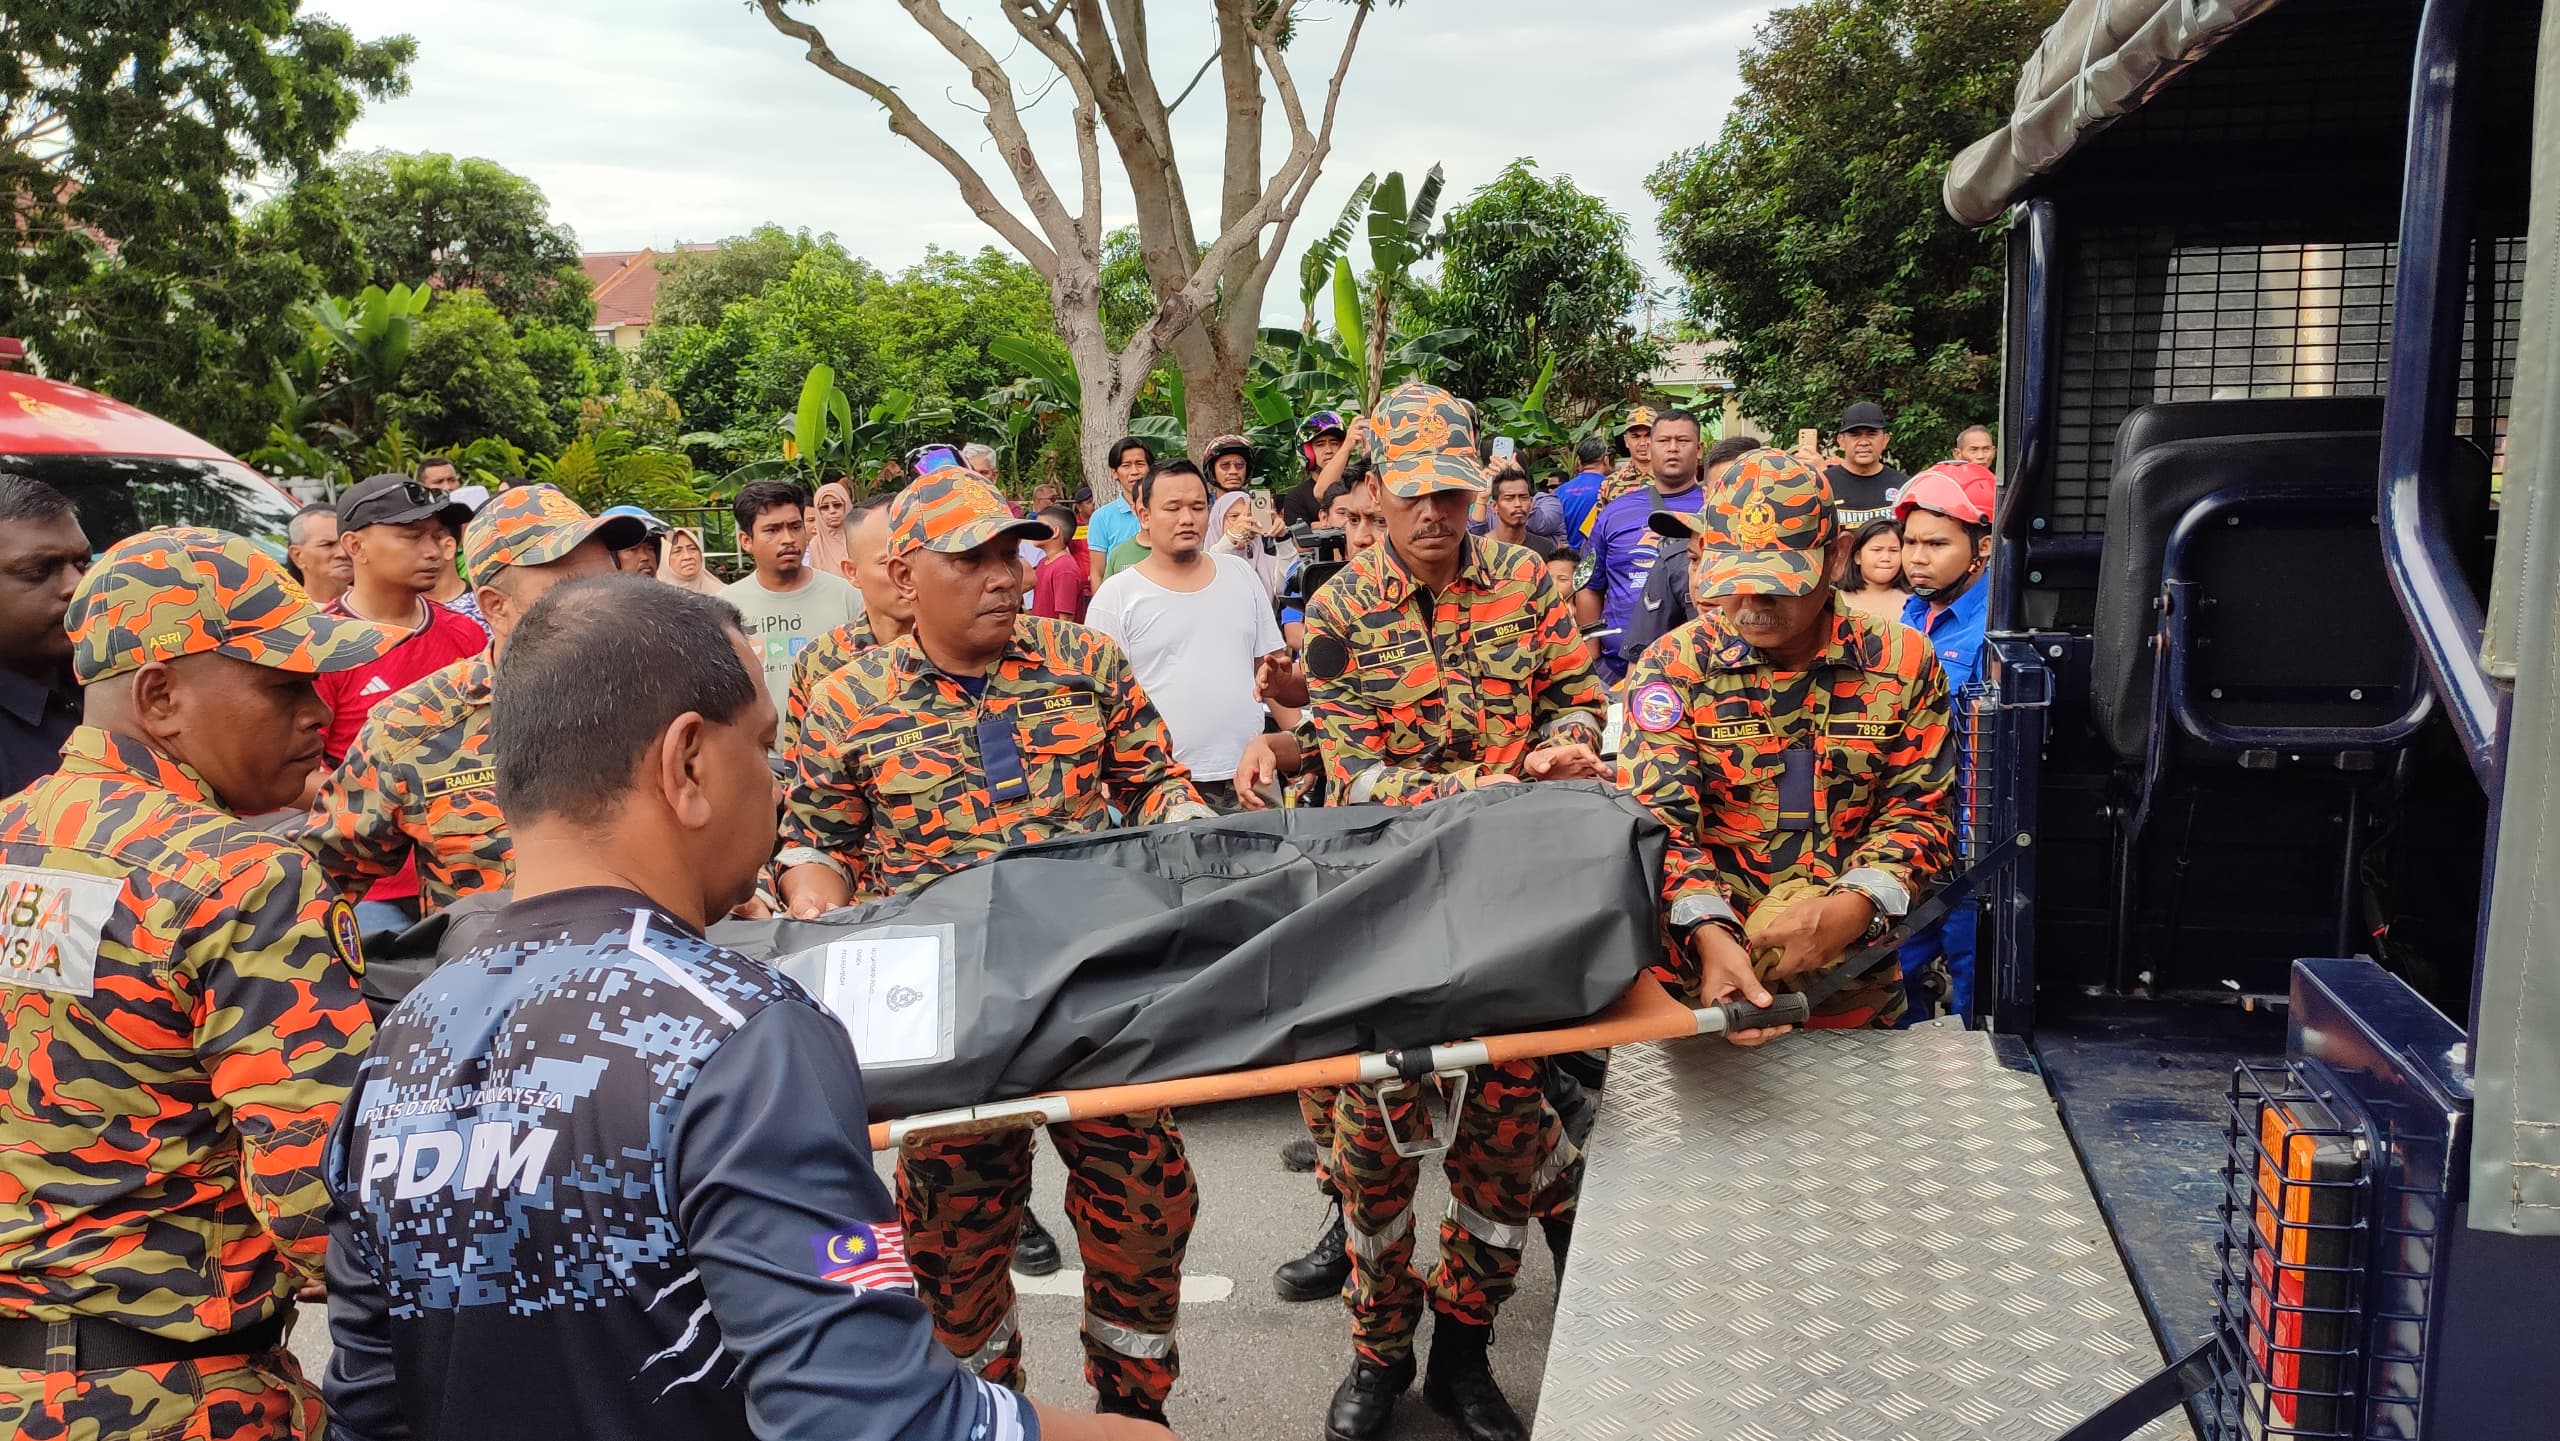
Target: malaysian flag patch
x=867 y=1255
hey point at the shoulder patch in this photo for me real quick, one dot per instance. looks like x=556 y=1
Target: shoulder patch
x=1327 y=657
x=1654 y=708
x=346 y=935
x=50 y=924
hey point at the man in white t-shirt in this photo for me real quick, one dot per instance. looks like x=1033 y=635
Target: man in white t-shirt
x=1195 y=627
x=785 y=604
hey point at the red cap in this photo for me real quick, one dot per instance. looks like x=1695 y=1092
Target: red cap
x=1958 y=491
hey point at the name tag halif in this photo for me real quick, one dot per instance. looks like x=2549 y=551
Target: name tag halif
x=50 y=922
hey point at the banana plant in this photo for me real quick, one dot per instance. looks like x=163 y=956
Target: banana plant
x=1315 y=269
x=369 y=340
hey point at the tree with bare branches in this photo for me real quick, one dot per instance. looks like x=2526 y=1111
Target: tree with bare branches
x=1208 y=295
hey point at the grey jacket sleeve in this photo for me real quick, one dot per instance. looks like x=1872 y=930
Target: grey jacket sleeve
x=771 y=1163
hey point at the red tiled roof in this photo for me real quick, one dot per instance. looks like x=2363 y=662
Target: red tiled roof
x=626 y=285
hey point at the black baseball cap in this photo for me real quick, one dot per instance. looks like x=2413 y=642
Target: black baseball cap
x=395 y=499
x=1865 y=415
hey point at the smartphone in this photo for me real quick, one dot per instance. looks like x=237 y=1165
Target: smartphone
x=1808 y=439
x=1261 y=503
x=1504 y=447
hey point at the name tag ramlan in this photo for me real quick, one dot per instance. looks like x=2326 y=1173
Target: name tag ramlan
x=50 y=922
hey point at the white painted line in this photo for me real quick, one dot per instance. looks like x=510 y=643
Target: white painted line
x=1196 y=1290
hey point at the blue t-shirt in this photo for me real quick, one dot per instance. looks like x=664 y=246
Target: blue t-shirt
x=1577 y=496
x=1621 y=553
x=1956 y=634
x=1111 y=527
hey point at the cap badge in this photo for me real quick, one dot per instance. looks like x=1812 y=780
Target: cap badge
x=1757 y=525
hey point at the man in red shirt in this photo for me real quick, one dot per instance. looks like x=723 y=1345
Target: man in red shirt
x=1061 y=586
x=393 y=531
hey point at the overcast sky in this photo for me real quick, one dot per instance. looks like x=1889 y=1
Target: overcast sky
x=649 y=122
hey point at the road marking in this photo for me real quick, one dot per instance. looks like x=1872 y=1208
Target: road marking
x=1196 y=1290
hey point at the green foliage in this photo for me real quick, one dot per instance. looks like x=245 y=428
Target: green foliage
x=902 y=348
x=570 y=367
x=1538 y=272
x=696 y=286
x=607 y=467
x=932 y=325
x=1315 y=268
x=366 y=345
x=1128 y=294
x=465 y=379
x=126 y=133
x=1810 y=233
x=462 y=225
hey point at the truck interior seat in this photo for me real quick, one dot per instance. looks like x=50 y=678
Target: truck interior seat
x=2296 y=625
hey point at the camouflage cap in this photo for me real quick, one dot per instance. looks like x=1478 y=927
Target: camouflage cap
x=953 y=511
x=536 y=525
x=1424 y=440
x=1640 y=418
x=1769 y=524
x=184 y=590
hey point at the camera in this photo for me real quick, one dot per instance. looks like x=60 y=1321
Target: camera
x=1325 y=552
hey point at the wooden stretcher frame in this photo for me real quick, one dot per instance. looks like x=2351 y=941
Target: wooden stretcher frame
x=1646 y=1012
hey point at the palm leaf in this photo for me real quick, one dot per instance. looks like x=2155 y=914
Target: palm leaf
x=1317 y=267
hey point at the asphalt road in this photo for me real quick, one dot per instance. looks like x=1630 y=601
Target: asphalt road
x=1253 y=1366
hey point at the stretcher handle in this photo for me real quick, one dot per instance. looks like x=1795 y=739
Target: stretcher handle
x=1790 y=1008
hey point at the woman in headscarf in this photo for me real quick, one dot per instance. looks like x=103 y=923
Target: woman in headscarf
x=1233 y=531
x=826 y=553
x=680 y=562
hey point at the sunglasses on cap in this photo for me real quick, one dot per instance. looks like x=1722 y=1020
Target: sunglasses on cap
x=409 y=500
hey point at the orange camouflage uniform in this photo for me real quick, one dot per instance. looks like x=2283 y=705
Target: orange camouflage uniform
x=891 y=789
x=1424 y=707
x=179 y=1025
x=419 y=780
x=1707 y=719
x=1417 y=696
x=825 y=656
x=159 y=1164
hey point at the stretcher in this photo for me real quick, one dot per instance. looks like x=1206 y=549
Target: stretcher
x=1646 y=1012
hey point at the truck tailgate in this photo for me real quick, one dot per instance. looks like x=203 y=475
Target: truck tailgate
x=1853 y=1235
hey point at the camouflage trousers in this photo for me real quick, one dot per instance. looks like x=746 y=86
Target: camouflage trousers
x=1508 y=1162
x=1315 y=1107
x=1131 y=1197
x=225 y=1398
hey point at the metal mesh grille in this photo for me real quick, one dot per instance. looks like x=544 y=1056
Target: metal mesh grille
x=2155 y=313
x=2290 y=1292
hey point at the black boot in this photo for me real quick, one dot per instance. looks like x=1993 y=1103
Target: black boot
x=1559 y=1241
x=1320 y=1272
x=1365 y=1403
x=1035 y=1251
x=1137 y=1406
x=1460 y=1384
x=1298 y=1154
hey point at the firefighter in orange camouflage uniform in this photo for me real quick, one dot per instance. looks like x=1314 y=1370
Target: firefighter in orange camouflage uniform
x=1799 y=752
x=181 y=1014
x=980 y=729
x=419 y=778
x=1441 y=662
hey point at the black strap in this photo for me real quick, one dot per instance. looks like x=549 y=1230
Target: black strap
x=2190 y=1375
x=90 y=1344
x=1839 y=978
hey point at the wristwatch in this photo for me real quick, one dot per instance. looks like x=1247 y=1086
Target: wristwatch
x=1886 y=902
